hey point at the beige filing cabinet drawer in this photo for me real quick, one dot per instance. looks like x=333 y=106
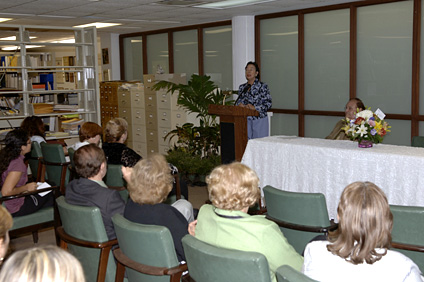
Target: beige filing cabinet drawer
x=163 y=99
x=125 y=113
x=164 y=118
x=139 y=133
x=151 y=120
x=152 y=141
x=137 y=98
x=149 y=80
x=150 y=102
x=162 y=132
x=139 y=147
x=178 y=118
x=138 y=116
x=174 y=102
x=124 y=98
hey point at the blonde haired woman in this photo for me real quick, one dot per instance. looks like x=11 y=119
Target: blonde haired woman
x=149 y=183
x=42 y=264
x=359 y=249
x=6 y=222
x=233 y=188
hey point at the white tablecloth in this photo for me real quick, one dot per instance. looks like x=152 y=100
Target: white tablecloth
x=328 y=166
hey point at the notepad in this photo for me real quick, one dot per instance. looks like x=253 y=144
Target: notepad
x=42 y=185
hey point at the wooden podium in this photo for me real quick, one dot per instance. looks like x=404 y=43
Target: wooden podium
x=233 y=121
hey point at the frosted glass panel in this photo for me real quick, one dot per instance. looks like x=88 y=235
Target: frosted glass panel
x=133 y=58
x=185 y=52
x=283 y=124
x=400 y=132
x=279 y=60
x=384 y=56
x=157 y=53
x=320 y=126
x=218 y=54
x=327 y=60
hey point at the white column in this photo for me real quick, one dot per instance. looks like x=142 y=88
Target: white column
x=243 y=28
x=114 y=56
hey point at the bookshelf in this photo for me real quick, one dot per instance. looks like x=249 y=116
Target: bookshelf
x=32 y=77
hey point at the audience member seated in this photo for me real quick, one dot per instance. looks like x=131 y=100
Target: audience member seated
x=116 y=133
x=42 y=264
x=89 y=133
x=149 y=183
x=90 y=190
x=6 y=223
x=34 y=126
x=14 y=176
x=351 y=108
x=233 y=188
x=359 y=249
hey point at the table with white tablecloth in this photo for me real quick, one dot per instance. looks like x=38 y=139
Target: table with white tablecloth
x=327 y=166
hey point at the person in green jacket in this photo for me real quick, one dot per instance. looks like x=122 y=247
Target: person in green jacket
x=233 y=188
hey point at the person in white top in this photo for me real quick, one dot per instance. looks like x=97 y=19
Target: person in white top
x=89 y=133
x=34 y=126
x=359 y=249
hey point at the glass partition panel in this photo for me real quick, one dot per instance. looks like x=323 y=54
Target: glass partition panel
x=421 y=109
x=284 y=124
x=327 y=60
x=133 y=58
x=279 y=60
x=384 y=56
x=400 y=132
x=157 y=53
x=185 y=52
x=218 y=55
x=320 y=126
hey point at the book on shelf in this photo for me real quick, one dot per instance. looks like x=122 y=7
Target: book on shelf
x=68 y=108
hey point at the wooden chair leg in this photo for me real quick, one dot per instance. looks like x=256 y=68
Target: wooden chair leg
x=104 y=256
x=120 y=272
x=35 y=237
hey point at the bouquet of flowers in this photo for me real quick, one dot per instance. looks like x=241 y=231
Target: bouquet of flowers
x=367 y=126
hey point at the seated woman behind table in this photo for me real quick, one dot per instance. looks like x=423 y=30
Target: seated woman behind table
x=89 y=133
x=14 y=176
x=233 y=188
x=351 y=108
x=35 y=128
x=359 y=249
x=149 y=183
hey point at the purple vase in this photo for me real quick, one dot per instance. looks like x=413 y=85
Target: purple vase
x=365 y=144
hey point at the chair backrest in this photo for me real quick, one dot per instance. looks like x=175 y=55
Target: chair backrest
x=34 y=161
x=417 y=141
x=207 y=263
x=286 y=273
x=114 y=180
x=408 y=228
x=145 y=244
x=71 y=153
x=86 y=223
x=308 y=209
x=53 y=153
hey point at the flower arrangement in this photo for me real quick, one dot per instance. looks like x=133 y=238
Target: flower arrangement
x=367 y=126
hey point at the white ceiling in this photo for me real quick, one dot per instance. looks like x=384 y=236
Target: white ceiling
x=135 y=15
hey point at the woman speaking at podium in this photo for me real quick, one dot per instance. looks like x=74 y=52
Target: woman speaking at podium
x=255 y=95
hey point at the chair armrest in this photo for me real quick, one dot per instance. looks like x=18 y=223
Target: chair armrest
x=147 y=269
x=24 y=194
x=307 y=228
x=83 y=243
x=56 y=164
x=408 y=247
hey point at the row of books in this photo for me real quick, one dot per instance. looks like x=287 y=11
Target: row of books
x=9 y=101
x=32 y=61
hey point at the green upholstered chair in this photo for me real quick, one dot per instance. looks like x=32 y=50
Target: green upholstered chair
x=56 y=165
x=84 y=234
x=407 y=233
x=35 y=162
x=32 y=223
x=417 y=141
x=71 y=167
x=207 y=263
x=146 y=251
x=301 y=216
x=286 y=273
x=114 y=180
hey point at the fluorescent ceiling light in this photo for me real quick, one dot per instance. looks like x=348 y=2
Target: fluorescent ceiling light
x=4 y=19
x=221 y=30
x=18 y=48
x=186 y=43
x=98 y=25
x=69 y=40
x=231 y=4
x=337 y=32
x=282 y=33
x=13 y=38
x=136 y=40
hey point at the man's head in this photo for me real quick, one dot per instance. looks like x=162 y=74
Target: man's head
x=89 y=160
